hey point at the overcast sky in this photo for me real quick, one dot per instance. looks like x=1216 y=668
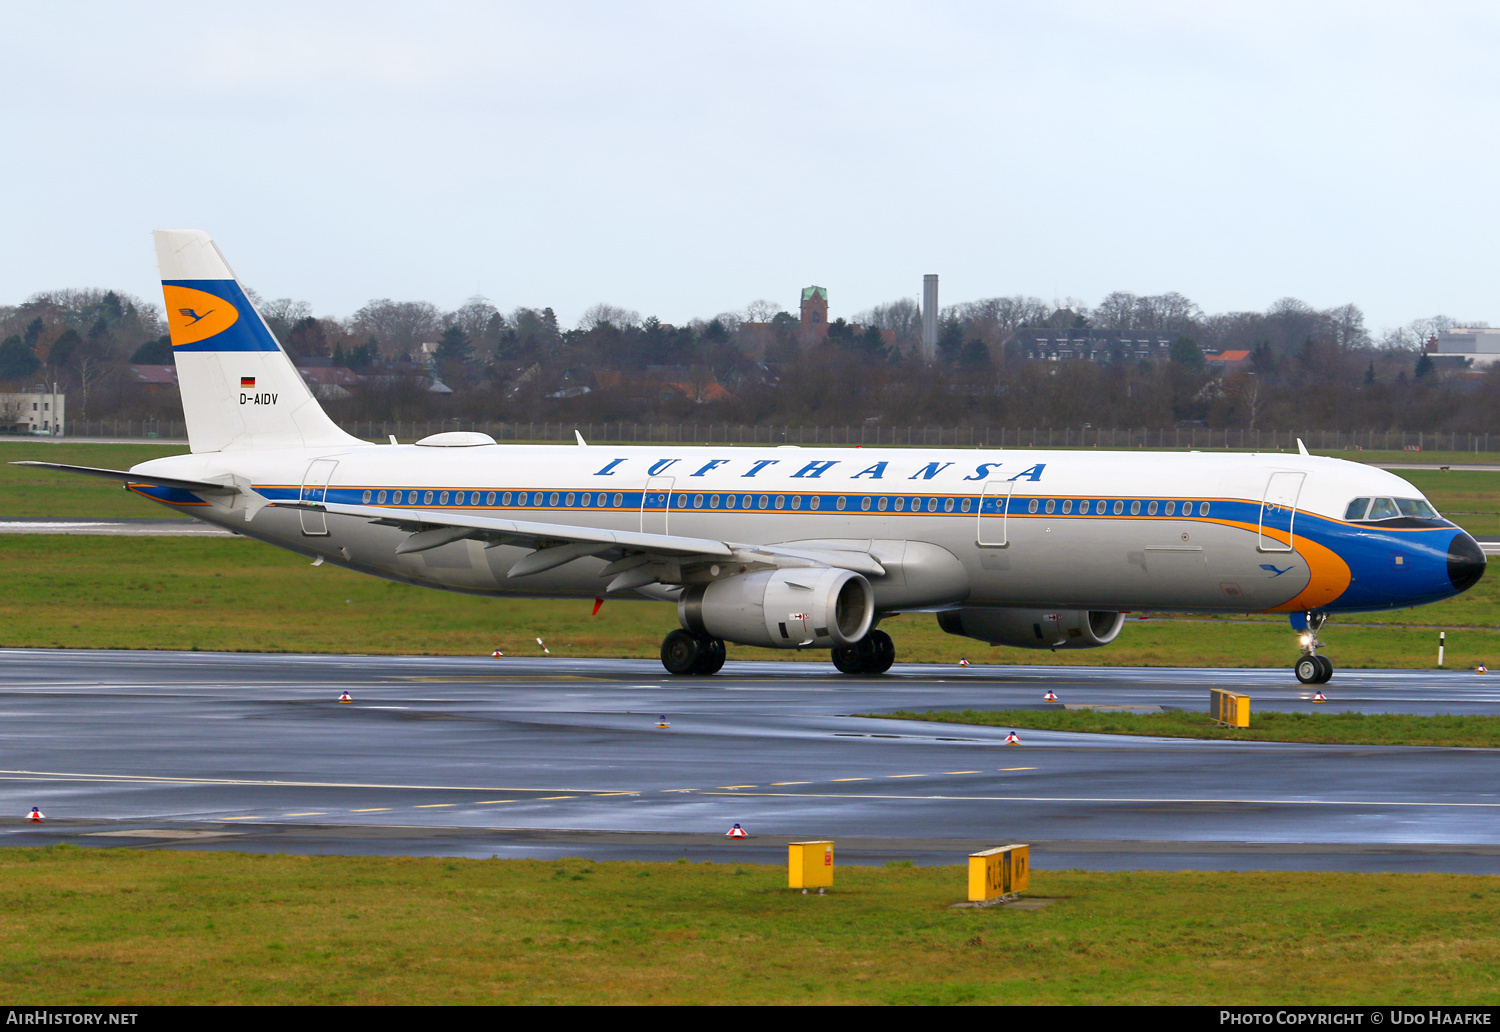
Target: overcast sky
x=686 y=159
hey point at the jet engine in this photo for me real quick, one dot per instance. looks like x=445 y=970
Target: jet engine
x=1035 y=628
x=781 y=609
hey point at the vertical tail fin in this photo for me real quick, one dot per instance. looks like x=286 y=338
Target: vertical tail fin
x=239 y=388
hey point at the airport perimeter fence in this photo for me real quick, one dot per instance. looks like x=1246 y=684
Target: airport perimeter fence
x=1190 y=438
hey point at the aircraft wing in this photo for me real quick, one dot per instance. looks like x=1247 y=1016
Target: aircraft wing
x=639 y=558
x=125 y=476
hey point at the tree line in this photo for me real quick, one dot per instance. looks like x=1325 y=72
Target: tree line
x=1305 y=366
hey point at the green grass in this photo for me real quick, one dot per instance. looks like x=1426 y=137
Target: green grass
x=1322 y=728
x=133 y=927
x=40 y=493
x=234 y=594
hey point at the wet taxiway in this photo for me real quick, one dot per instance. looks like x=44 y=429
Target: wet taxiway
x=553 y=757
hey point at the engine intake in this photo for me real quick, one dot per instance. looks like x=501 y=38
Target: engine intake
x=782 y=609
x=1035 y=628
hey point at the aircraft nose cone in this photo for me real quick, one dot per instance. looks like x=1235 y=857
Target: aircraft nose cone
x=1466 y=562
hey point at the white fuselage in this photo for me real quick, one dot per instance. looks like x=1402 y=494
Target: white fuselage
x=950 y=527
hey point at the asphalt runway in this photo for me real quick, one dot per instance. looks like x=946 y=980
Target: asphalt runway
x=548 y=757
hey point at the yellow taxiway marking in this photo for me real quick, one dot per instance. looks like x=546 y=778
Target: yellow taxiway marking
x=906 y=775
x=486 y=678
x=679 y=790
x=432 y=806
x=775 y=783
x=309 y=813
x=372 y=809
x=149 y=779
x=1012 y=768
x=738 y=786
x=962 y=772
x=483 y=802
x=549 y=798
x=1157 y=800
x=851 y=779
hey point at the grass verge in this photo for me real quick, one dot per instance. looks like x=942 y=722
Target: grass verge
x=234 y=594
x=1325 y=728
x=86 y=926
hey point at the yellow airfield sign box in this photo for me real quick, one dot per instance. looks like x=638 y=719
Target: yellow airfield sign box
x=999 y=872
x=809 y=865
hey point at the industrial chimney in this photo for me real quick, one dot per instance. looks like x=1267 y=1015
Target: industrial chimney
x=929 y=317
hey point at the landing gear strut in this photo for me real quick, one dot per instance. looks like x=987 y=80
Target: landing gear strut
x=684 y=653
x=1313 y=668
x=872 y=654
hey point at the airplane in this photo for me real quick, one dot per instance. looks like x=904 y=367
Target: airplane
x=784 y=547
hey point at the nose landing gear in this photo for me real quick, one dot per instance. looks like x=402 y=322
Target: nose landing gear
x=1312 y=668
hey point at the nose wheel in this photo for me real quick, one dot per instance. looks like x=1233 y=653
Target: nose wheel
x=1312 y=668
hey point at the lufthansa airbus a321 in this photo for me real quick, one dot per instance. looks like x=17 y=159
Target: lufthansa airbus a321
x=785 y=547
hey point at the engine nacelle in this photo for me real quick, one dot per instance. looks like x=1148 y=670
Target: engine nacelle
x=782 y=609
x=1035 y=628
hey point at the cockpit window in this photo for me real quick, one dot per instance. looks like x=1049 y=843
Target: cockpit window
x=1415 y=507
x=1368 y=509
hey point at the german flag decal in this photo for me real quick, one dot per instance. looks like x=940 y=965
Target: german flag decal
x=247 y=382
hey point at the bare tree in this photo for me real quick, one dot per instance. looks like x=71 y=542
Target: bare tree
x=473 y=316
x=399 y=326
x=616 y=316
x=761 y=311
x=1117 y=311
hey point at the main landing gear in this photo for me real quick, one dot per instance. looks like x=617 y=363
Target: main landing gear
x=872 y=654
x=684 y=653
x=1312 y=668
x=688 y=654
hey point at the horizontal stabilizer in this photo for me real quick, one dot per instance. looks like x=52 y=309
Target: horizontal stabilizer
x=125 y=476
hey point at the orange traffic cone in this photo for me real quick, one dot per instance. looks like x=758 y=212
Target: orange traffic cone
x=35 y=816
x=346 y=697
x=1318 y=697
x=1012 y=739
x=1051 y=696
x=736 y=832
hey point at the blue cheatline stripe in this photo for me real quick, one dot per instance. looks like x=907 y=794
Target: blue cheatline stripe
x=1217 y=510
